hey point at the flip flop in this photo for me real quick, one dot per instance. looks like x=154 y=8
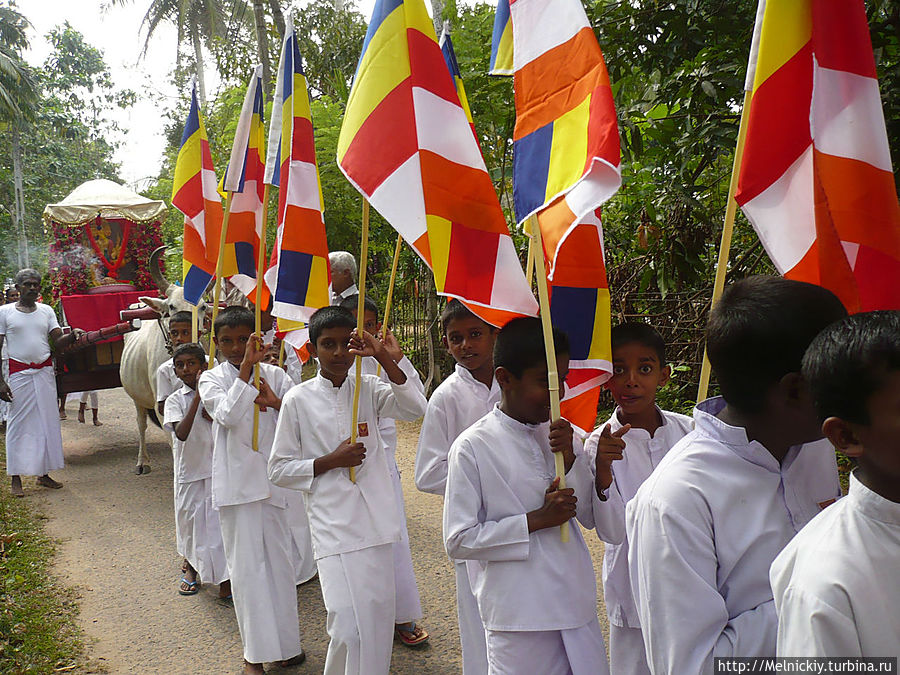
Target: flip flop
x=410 y=634
x=225 y=601
x=193 y=587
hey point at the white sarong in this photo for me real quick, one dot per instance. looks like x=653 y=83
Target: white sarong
x=198 y=534
x=33 y=435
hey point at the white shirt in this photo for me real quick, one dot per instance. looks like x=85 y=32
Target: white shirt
x=27 y=333
x=166 y=380
x=837 y=584
x=702 y=533
x=455 y=405
x=192 y=456
x=315 y=420
x=338 y=298
x=642 y=453
x=499 y=470
x=239 y=473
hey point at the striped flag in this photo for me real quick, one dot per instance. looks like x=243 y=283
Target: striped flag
x=299 y=275
x=565 y=165
x=446 y=45
x=816 y=178
x=244 y=178
x=194 y=194
x=407 y=146
x=501 y=42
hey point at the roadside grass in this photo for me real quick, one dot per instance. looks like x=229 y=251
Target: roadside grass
x=38 y=633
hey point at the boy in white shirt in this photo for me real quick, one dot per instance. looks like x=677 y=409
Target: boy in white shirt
x=251 y=510
x=198 y=534
x=354 y=525
x=503 y=507
x=166 y=380
x=409 y=604
x=836 y=585
x=704 y=528
x=626 y=449
x=468 y=394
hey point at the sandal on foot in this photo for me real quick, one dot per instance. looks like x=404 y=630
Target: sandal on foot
x=47 y=482
x=192 y=587
x=225 y=600
x=293 y=661
x=411 y=634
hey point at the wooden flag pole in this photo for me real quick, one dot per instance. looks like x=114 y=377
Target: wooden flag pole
x=529 y=263
x=360 y=321
x=390 y=295
x=260 y=263
x=550 y=348
x=281 y=354
x=195 y=330
x=725 y=244
x=218 y=291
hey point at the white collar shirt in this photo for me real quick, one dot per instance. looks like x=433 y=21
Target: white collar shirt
x=27 y=334
x=702 y=532
x=239 y=472
x=641 y=455
x=166 y=380
x=315 y=420
x=499 y=470
x=836 y=585
x=337 y=298
x=455 y=405
x=192 y=457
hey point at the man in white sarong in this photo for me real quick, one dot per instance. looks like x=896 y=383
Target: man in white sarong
x=33 y=436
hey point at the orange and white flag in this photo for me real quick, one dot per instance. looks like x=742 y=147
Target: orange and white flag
x=816 y=179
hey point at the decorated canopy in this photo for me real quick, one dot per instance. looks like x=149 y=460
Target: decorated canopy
x=106 y=198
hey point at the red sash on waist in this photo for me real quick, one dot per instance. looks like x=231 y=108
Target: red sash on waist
x=16 y=366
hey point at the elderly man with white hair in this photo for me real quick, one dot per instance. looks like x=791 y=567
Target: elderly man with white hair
x=33 y=437
x=343 y=276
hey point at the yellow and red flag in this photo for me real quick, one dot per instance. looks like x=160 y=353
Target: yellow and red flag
x=816 y=179
x=244 y=177
x=407 y=146
x=194 y=194
x=565 y=165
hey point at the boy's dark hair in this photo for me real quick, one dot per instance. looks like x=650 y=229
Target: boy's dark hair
x=233 y=317
x=520 y=345
x=456 y=310
x=183 y=316
x=191 y=349
x=641 y=333
x=759 y=331
x=351 y=304
x=329 y=317
x=849 y=361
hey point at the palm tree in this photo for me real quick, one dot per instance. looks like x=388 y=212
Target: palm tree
x=18 y=92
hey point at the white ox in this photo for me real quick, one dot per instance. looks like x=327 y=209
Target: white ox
x=146 y=349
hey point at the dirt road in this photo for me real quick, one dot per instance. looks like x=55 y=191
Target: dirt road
x=118 y=551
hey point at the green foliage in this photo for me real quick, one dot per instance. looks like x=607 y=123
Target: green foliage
x=37 y=616
x=17 y=85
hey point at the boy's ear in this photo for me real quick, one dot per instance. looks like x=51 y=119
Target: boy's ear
x=311 y=348
x=793 y=390
x=842 y=436
x=215 y=338
x=503 y=376
x=665 y=374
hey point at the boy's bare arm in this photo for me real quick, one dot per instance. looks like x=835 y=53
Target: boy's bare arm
x=558 y=508
x=561 y=435
x=183 y=428
x=610 y=448
x=347 y=454
x=369 y=345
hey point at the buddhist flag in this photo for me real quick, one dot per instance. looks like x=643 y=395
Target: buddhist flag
x=816 y=178
x=194 y=194
x=565 y=165
x=244 y=178
x=300 y=274
x=407 y=146
x=446 y=45
x=501 y=42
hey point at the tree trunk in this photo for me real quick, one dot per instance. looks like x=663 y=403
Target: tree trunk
x=278 y=16
x=262 y=46
x=198 y=58
x=437 y=10
x=19 y=196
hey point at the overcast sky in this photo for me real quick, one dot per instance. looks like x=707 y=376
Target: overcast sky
x=116 y=32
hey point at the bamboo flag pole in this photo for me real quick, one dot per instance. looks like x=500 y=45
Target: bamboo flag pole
x=727 y=230
x=281 y=354
x=218 y=292
x=390 y=294
x=550 y=348
x=529 y=263
x=195 y=330
x=260 y=263
x=360 y=321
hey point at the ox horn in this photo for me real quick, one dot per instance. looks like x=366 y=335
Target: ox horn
x=161 y=282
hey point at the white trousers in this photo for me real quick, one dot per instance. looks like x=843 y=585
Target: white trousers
x=257 y=547
x=198 y=534
x=92 y=395
x=575 y=651
x=33 y=435
x=358 y=590
x=626 y=651
x=471 y=629
x=301 y=549
x=409 y=604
